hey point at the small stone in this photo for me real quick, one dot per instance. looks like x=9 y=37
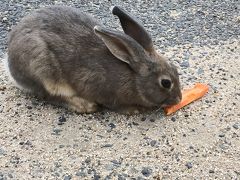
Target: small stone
x=2 y=151
x=110 y=167
x=29 y=107
x=116 y=162
x=56 y=131
x=153 y=143
x=236 y=126
x=143 y=119
x=152 y=120
x=111 y=125
x=165 y=168
x=4 y=19
x=107 y=145
x=28 y=143
x=189 y=165
x=2 y=88
x=81 y=173
x=238 y=19
x=21 y=143
x=185 y=64
x=62 y=119
x=146 y=171
x=191 y=147
x=10 y=175
x=140 y=178
x=96 y=177
x=88 y=160
x=173 y=119
x=211 y=171
x=135 y=124
x=221 y=135
x=61 y=146
x=121 y=177
x=67 y=177
x=200 y=71
x=223 y=146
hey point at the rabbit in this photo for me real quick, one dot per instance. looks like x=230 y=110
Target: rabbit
x=61 y=52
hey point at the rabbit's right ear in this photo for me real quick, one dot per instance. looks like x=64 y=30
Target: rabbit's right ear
x=134 y=28
x=125 y=49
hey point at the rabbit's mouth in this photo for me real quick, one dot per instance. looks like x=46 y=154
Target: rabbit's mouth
x=170 y=102
x=164 y=105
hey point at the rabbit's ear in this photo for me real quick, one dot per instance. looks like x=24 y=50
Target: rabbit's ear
x=134 y=28
x=124 y=48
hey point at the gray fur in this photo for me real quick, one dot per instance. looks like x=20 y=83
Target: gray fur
x=55 y=52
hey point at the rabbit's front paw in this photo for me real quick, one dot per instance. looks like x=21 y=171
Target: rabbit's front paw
x=81 y=105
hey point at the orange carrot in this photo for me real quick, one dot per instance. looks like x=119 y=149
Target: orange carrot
x=188 y=96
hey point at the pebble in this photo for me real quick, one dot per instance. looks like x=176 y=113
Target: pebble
x=200 y=71
x=153 y=143
x=29 y=107
x=236 y=126
x=88 y=160
x=146 y=171
x=62 y=119
x=67 y=177
x=111 y=125
x=135 y=124
x=10 y=175
x=165 y=168
x=152 y=120
x=121 y=177
x=143 y=119
x=4 y=19
x=81 y=173
x=56 y=131
x=184 y=64
x=173 y=119
x=221 y=135
x=61 y=146
x=1 y=175
x=96 y=177
x=211 y=171
x=107 y=145
x=2 y=151
x=189 y=165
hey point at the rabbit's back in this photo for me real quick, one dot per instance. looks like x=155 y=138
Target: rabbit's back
x=60 y=27
x=48 y=44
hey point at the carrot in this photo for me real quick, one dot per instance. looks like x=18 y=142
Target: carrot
x=188 y=96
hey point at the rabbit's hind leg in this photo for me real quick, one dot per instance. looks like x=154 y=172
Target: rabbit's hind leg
x=66 y=93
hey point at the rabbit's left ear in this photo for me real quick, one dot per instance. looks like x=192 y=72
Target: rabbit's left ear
x=125 y=49
x=134 y=28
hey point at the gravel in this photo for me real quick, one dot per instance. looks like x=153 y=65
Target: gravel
x=202 y=38
x=172 y=22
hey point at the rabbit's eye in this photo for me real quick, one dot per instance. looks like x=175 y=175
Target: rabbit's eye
x=166 y=83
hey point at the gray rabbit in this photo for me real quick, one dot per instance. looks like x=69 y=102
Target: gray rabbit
x=61 y=52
